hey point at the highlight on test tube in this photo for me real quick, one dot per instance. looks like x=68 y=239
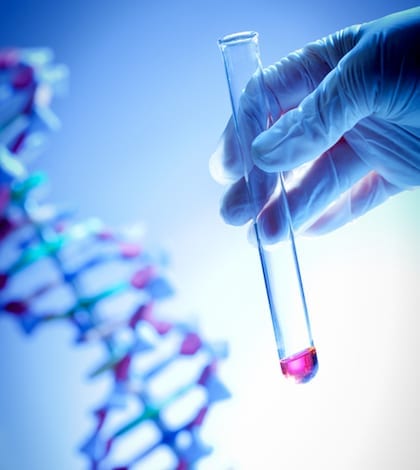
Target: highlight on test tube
x=279 y=263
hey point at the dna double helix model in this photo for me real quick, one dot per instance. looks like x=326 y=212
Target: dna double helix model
x=108 y=284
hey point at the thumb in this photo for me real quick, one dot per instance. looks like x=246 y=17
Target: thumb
x=344 y=97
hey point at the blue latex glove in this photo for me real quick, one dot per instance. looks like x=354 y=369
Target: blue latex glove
x=346 y=106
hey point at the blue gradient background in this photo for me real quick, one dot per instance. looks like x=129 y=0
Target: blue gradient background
x=146 y=105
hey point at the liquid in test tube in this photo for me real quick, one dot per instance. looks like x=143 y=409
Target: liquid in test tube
x=280 y=265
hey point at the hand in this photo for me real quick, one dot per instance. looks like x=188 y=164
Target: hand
x=347 y=108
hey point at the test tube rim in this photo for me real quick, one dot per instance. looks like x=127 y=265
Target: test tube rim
x=237 y=38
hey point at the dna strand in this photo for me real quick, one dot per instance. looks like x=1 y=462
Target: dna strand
x=109 y=284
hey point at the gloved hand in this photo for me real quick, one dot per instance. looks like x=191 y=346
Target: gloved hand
x=346 y=106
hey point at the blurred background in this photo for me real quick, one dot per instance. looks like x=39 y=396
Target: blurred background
x=146 y=104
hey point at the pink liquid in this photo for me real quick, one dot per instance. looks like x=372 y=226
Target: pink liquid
x=300 y=367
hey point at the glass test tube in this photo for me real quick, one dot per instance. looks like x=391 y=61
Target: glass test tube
x=280 y=266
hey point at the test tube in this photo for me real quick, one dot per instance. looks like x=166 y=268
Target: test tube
x=280 y=265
